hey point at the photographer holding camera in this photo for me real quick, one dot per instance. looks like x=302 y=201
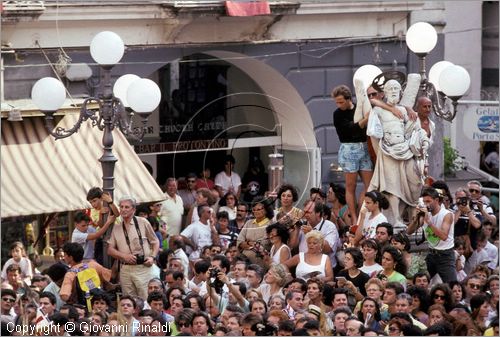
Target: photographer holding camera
x=467 y=224
x=134 y=243
x=438 y=229
x=219 y=283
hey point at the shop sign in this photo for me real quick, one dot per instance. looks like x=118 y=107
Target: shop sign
x=481 y=123
x=182 y=146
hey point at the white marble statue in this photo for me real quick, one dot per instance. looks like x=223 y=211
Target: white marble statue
x=399 y=169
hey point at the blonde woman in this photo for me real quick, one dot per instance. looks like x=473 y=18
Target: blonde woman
x=274 y=280
x=313 y=263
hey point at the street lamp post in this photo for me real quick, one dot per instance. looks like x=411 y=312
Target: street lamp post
x=446 y=81
x=116 y=105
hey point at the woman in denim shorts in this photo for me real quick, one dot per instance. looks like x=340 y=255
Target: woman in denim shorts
x=353 y=154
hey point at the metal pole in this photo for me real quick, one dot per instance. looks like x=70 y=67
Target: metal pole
x=108 y=159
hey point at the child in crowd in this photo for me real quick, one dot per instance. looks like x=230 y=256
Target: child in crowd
x=225 y=234
x=460 y=258
x=18 y=254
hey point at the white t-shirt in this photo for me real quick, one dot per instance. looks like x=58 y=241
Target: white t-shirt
x=201 y=236
x=371 y=269
x=370 y=225
x=171 y=212
x=228 y=183
x=81 y=238
x=24 y=264
x=330 y=235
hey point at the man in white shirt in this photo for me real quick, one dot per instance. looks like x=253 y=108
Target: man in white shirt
x=228 y=180
x=172 y=208
x=313 y=212
x=86 y=235
x=200 y=233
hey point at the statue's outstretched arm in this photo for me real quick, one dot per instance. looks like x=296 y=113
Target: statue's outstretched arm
x=411 y=91
x=392 y=108
x=363 y=106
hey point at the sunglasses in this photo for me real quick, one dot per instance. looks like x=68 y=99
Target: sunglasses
x=373 y=94
x=8 y=299
x=474 y=286
x=442 y=297
x=471 y=190
x=216 y=251
x=183 y=325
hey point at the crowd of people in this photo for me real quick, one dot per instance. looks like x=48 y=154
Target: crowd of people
x=287 y=270
x=223 y=257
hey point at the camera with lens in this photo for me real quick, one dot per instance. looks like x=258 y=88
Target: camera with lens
x=261 y=329
x=214 y=271
x=463 y=201
x=139 y=259
x=214 y=281
x=301 y=222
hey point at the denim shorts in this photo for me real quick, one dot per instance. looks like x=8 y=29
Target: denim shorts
x=354 y=157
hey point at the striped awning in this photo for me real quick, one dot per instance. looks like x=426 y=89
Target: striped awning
x=42 y=175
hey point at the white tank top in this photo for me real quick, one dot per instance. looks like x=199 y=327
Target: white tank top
x=304 y=268
x=434 y=241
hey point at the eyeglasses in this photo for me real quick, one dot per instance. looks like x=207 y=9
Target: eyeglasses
x=474 y=286
x=372 y=94
x=441 y=297
x=191 y=181
x=8 y=299
x=257 y=209
x=183 y=325
x=393 y=329
x=471 y=190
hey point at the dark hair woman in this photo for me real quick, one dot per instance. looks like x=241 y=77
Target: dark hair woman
x=415 y=262
x=251 y=239
x=420 y=303
x=370 y=215
x=441 y=294
x=288 y=213
x=278 y=236
x=340 y=211
x=394 y=266
x=228 y=203
x=351 y=277
x=370 y=313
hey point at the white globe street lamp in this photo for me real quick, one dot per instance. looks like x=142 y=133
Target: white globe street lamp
x=142 y=95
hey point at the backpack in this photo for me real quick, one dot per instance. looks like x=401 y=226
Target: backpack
x=87 y=282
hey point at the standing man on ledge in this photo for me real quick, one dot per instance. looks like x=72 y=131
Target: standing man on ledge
x=134 y=243
x=353 y=153
x=438 y=228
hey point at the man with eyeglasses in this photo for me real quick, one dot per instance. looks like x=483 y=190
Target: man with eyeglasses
x=8 y=299
x=473 y=286
x=353 y=327
x=188 y=194
x=480 y=203
x=313 y=213
x=241 y=218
